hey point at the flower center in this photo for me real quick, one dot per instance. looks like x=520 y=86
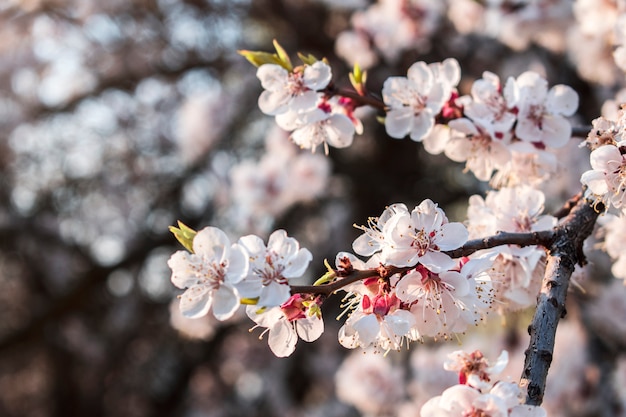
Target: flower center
x=213 y=276
x=295 y=84
x=271 y=271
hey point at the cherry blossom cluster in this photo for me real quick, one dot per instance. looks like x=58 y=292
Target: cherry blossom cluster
x=295 y=96
x=508 y=129
x=606 y=181
x=387 y=28
x=432 y=294
x=281 y=178
x=516 y=271
x=477 y=394
x=218 y=276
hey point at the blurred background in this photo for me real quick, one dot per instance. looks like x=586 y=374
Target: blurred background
x=120 y=117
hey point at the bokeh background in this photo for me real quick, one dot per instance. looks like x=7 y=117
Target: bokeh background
x=120 y=117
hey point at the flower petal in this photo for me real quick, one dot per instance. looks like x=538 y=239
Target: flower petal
x=310 y=328
x=562 y=99
x=282 y=339
x=226 y=302
x=196 y=301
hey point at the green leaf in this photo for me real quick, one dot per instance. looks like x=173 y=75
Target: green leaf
x=307 y=59
x=284 y=57
x=258 y=58
x=184 y=234
x=329 y=276
x=358 y=78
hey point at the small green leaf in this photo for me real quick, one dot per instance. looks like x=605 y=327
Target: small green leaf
x=184 y=234
x=307 y=59
x=283 y=56
x=329 y=276
x=358 y=78
x=260 y=58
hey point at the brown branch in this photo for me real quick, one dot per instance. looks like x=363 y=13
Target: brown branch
x=568 y=206
x=543 y=238
x=564 y=253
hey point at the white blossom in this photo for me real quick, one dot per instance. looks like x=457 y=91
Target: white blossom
x=606 y=181
x=286 y=323
x=406 y=238
x=448 y=302
x=209 y=274
x=413 y=102
x=272 y=267
x=295 y=90
x=541 y=113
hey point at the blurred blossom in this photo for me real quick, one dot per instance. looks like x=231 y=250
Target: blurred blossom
x=370 y=383
x=201 y=120
x=201 y=328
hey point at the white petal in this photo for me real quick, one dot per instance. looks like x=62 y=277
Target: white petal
x=365 y=245
x=282 y=339
x=464 y=126
x=347 y=337
x=274 y=294
x=183 y=276
x=253 y=245
x=396 y=91
x=237 y=264
x=298 y=264
x=225 y=303
x=562 y=99
x=340 y=131
x=451 y=236
x=601 y=157
x=398 y=122
x=367 y=328
x=317 y=76
x=437 y=261
x=272 y=76
x=528 y=130
x=310 y=328
x=265 y=318
x=281 y=244
x=436 y=141
x=304 y=102
x=456 y=281
x=421 y=74
x=211 y=243
x=556 y=131
x=249 y=287
x=533 y=87
x=596 y=181
x=195 y=302
x=274 y=102
x=422 y=125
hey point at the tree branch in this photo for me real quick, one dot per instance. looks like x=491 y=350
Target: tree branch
x=543 y=238
x=565 y=252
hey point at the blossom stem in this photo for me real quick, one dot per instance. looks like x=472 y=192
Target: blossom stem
x=354 y=276
x=368 y=100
